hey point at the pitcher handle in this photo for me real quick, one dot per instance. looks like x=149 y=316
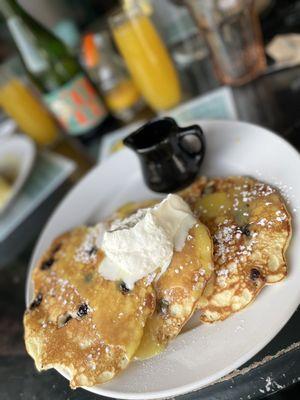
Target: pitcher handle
x=191 y=141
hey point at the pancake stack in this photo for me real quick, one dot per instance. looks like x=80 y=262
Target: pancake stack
x=92 y=328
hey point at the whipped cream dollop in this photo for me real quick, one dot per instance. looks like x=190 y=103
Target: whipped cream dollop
x=140 y=244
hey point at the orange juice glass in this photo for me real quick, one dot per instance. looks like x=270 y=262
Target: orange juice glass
x=24 y=107
x=147 y=58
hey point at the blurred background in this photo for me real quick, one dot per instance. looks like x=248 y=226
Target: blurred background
x=77 y=76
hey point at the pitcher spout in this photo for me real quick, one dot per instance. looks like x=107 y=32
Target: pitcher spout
x=130 y=142
x=151 y=135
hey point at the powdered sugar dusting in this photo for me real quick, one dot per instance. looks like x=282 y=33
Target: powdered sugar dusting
x=87 y=252
x=235 y=237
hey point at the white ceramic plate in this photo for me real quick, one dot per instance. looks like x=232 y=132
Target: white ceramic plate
x=207 y=352
x=17 y=154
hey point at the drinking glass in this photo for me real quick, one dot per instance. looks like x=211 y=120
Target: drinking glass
x=23 y=105
x=108 y=72
x=232 y=31
x=146 y=57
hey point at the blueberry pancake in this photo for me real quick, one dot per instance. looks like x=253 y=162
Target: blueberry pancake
x=177 y=291
x=78 y=321
x=251 y=230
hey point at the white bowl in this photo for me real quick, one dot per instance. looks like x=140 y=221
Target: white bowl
x=17 y=154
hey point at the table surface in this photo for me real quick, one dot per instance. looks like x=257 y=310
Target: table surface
x=272 y=101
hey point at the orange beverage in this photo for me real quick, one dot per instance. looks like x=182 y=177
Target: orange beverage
x=124 y=95
x=31 y=116
x=147 y=58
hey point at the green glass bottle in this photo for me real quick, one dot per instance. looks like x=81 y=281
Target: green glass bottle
x=66 y=89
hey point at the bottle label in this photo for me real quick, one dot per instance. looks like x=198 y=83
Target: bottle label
x=76 y=106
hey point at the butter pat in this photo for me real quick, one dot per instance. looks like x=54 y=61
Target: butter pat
x=144 y=243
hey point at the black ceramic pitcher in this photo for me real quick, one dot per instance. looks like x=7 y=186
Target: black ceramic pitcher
x=170 y=156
